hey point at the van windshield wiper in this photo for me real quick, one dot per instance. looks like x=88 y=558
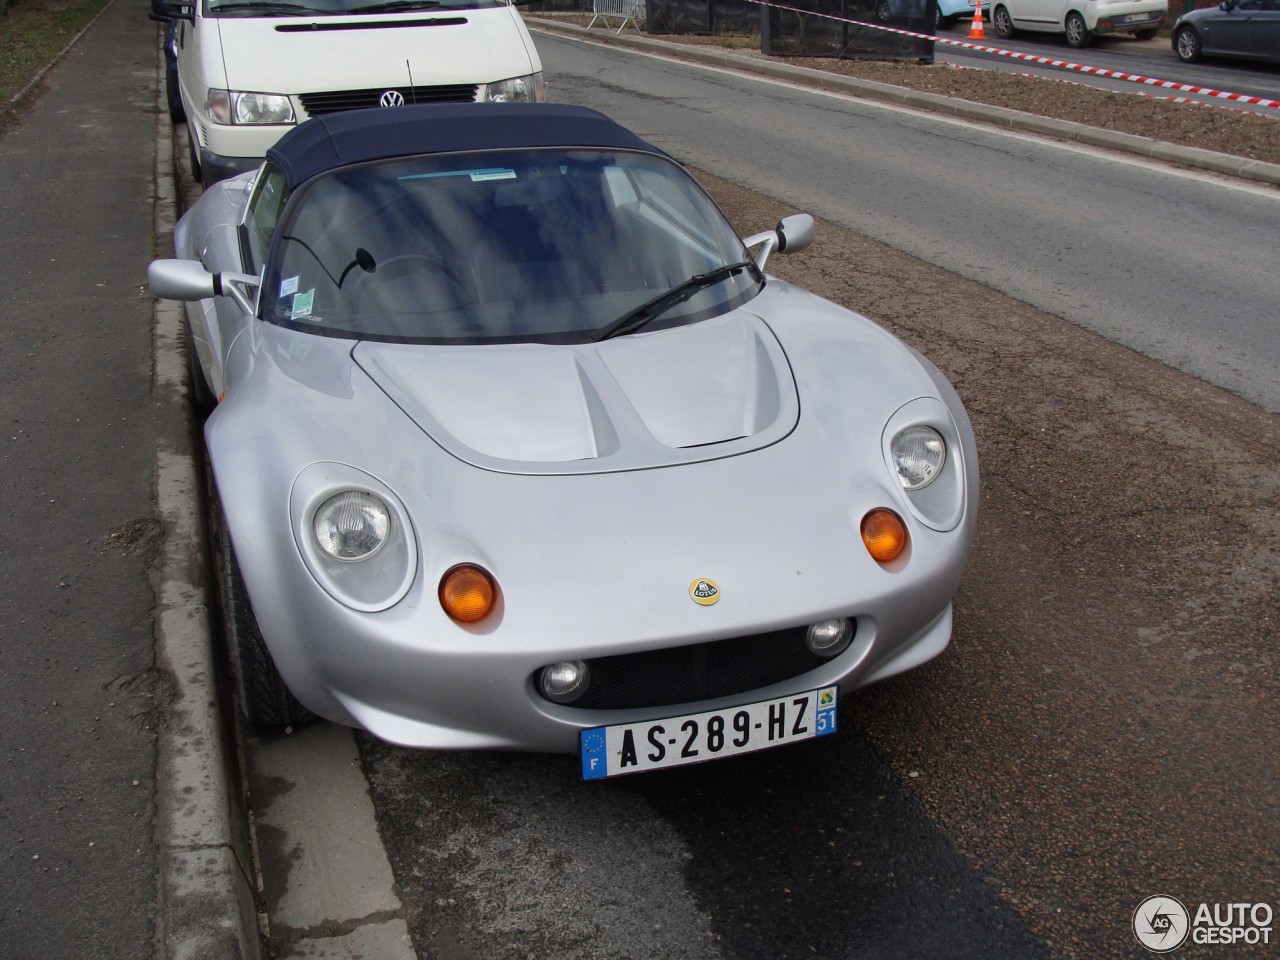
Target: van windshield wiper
x=388 y=5
x=267 y=6
x=636 y=318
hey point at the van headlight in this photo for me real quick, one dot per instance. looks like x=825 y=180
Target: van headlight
x=236 y=107
x=528 y=89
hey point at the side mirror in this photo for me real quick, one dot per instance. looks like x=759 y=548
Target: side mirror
x=188 y=280
x=791 y=235
x=173 y=10
x=795 y=233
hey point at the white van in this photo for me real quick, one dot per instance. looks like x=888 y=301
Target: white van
x=249 y=70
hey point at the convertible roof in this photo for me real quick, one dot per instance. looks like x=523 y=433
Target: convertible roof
x=356 y=136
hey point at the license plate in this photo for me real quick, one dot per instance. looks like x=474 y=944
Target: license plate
x=633 y=747
x=1135 y=17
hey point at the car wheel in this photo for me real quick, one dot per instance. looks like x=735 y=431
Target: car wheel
x=1146 y=34
x=202 y=399
x=264 y=698
x=1002 y=23
x=1077 y=32
x=940 y=22
x=1187 y=45
x=193 y=154
x=176 y=113
x=882 y=10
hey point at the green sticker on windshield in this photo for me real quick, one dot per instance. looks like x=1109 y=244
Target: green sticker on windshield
x=302 y=304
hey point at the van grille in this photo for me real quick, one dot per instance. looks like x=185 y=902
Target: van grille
x=335 y=101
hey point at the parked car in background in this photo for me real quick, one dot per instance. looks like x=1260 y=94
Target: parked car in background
x=517 y=446
x=1234 y=28
x=1079 y=20
x=949 y=11
x=250 y=70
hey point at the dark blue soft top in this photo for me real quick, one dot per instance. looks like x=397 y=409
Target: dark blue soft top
x=357 y=136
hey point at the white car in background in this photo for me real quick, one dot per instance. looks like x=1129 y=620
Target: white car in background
x=1079 y=20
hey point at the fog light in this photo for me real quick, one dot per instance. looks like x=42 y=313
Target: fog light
x=830 y=637
x=564 y=682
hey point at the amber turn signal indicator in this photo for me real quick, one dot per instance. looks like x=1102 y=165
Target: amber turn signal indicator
x=467 y=593
x=884 y=534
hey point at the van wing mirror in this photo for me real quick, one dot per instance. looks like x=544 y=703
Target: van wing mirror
x=173 y=10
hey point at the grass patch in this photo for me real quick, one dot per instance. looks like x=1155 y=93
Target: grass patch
x=32 y=33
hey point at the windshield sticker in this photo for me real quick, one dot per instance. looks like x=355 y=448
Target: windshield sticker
x=480 y=176
x=302 y=304
x=476 y=176
x=288 y=286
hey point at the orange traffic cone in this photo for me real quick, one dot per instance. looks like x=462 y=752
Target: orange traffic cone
x=975 y=32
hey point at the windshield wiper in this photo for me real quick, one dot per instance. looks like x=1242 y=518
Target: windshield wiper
x=389 y=5
x=634 y=319
x=267 y=6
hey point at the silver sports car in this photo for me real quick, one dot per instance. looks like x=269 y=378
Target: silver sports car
x=517 y=445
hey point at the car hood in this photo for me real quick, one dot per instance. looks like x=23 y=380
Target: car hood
x=712 y=389
x=361 y=52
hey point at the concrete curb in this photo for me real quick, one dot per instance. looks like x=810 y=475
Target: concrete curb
x=1192 y=157
x=207 y=895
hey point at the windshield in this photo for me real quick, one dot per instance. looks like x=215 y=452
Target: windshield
x=307 y=8
x=511 y=246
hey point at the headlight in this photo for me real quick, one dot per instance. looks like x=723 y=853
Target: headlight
x=918 y=456
x=530 y=89
x=229 y=107
x=354 y=534
x=352 y=526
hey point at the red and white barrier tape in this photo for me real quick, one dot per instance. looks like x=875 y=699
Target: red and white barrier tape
x=1044 y=61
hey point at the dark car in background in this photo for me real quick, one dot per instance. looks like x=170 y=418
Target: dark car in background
x=1234 y=28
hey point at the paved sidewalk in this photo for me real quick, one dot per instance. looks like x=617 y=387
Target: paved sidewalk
x=80 y=699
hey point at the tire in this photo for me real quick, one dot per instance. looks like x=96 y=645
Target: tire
x=202 y=399
x=264 y=698
x=1077 y=33
x=1186 y=44
x=1146 y=34
x=193 y=154
x=1001 y=22
x=883 y=11
x=174 y=98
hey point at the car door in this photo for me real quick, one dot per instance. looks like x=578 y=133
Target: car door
x=1266 y=35
x=1231 y=31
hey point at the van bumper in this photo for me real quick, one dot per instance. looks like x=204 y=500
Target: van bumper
x=214 y=167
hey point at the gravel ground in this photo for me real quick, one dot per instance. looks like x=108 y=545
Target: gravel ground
x=1222 y=129
x=1103 y=727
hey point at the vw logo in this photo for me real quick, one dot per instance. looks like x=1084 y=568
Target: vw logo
x=392 y=98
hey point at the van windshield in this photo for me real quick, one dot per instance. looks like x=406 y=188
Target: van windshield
x=542 y=245
x=291 y=8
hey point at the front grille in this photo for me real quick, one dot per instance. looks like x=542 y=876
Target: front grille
x=335 y=101
x=723 y=668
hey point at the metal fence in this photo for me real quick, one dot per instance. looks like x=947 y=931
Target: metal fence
x=848 y=29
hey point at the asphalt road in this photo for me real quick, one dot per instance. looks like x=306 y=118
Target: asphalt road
x=1104 y=725
x=78 y=692
x=1111 y=244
